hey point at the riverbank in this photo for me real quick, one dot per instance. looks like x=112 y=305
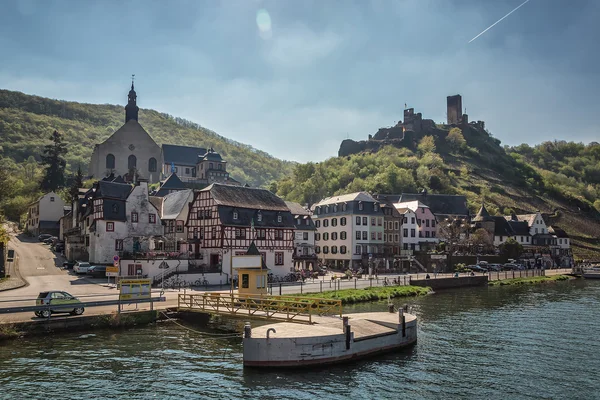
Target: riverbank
x=351 y=296
x=40 y=326
x=530 y=281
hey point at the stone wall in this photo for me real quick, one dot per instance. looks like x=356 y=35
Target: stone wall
x=449 y=283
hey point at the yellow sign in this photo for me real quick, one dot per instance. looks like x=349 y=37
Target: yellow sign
x=134 y=289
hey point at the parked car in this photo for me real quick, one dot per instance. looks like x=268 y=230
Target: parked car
x=81 y=267
x=97 y=271
x=475 y=268
x=68 y=264
x=510 y=267
x=50 y=240
x=44 y=236
x=494 y=267
x=58 y=302
x=58 y=247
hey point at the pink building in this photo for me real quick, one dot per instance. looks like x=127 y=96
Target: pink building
x=425 y=221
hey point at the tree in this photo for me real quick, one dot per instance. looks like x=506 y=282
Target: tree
x=426 y=145
x=482 y=238
x=511 y=249
x=77 y=183
x=456 y=139
x=54 y=160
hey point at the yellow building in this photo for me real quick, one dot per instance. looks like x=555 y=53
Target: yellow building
x=252 y=272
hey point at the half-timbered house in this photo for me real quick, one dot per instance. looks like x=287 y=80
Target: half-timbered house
x=224 y=220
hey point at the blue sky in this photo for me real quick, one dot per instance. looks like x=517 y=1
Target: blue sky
x=295 y=78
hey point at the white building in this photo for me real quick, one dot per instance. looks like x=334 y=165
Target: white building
x=44 y=214
x=173 y=210
x=410 y=229
x=304 y=237
x=349 y=231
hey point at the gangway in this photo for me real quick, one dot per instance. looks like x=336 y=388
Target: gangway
x=284 y=308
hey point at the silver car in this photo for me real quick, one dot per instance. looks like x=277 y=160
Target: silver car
x=81 y=267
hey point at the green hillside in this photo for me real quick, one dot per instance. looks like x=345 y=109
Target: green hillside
x=560 y=180
x=26 y=123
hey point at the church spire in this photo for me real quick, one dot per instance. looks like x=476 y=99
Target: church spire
x=131 y=109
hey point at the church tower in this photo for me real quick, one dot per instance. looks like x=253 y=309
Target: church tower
x=131 y=109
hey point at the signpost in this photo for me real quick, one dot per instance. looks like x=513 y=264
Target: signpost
x=134 y=289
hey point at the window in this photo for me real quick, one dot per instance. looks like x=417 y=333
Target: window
x=372 y=221
x=360 y=206
x=433 y=223
x=385 y=237
x=261 y=281
x=317 y=236
x=51 y=198
x=134 y=217
x=110 y=227
x=397 y=238
x=306 y=221
x=343 y=221
x=304 y=235
x=344 y=207
x=405 y=232
x=426 y=234
x=326 y=236
x=536 y=231
x=379 y=221
x=420 y=234
x=119 y=245
x=405 y=220
x=317 y=249
x=358 y=235
x=279 y=218
x=194 y=172
x=235 y=215
x=375 y=207
x=501 y=237
x=261 y=233
x=373 y=237
x=357 y=220
x=179 y=226
x=132 y=162
x=334 y=249
x=325 y=249
x=335 y=208
x=213 y=233
x=317 y=224
x=427 y=223
x=333 y=221
x=219 y=166
x=325 y=223
x=343 y=249
x=433 y=234
x=259 y=217
x=379 y=235
x=152 y=164
x=334 y=236
x=240 y=233
x=365 y=221
x=210 y=166
x=405 y=246
x=110 y=161
x=412 y=233
x=419 y=221
x=412 y=220
x=358 y=249
x=278 y=234
x=396 y=225
x=343 y=235
x=365 y=235
x=245 y=281
x=152 y=218
x=176 y=169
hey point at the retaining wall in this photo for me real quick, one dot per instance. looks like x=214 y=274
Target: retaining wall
x=449 y=283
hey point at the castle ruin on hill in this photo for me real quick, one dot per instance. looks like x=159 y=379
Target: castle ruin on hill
x=407 y=133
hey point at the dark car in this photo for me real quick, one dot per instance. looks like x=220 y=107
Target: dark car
x=44 y=236
x=58 y=247
x=50 y=240
x=97 y=271
x=475 y=268
x=68 y=264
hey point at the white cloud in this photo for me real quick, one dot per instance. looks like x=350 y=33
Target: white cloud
x=298 y=46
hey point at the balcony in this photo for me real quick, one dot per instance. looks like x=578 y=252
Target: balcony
x=154 y=255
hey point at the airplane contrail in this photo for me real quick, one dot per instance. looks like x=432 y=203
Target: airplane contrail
x=491 y=26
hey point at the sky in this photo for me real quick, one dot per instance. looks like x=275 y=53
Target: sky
x=295 y=78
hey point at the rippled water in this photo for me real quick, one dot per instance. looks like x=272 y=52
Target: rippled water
x=502 y=342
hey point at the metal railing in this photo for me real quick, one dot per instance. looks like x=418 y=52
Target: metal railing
x=286 y=308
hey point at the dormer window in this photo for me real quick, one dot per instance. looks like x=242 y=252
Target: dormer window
x=235 y=215
x=335 y=208
x=360 y=206
x=327 y=209
x=375 y=207
x=259 y=217
x=115 y=208
x=344 y=206
x=279 y=218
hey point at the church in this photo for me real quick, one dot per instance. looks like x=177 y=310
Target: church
x=129 y=152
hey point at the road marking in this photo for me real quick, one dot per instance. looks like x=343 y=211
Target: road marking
x=40 y=268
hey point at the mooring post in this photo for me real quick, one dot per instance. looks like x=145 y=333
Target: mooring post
x=247 y=330
x=354 y=283
x=346 y=331
x=402 y=321
x=320 y=286
x=280 y=288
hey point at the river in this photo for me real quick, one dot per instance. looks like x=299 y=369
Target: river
x=534 y=342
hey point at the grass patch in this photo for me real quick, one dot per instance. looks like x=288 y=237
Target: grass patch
x=530 y=281
x=351 y=296
x=9 y=331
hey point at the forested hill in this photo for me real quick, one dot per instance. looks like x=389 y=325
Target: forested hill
x=26 y=123
x=560 y=179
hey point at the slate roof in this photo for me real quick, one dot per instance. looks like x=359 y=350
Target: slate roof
x=483 y=215
x=171 y=183
x=157 y=202
x=529 y=218
x=210 y=155
x=245 y=197
x=357 y=196
x=113 y=190
x=560 y=233
x=519 y=228
x=173 y=203
x=181 y=155
x=439 y=204
x=501 y=227
x=297 y=209
x=302 y=214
